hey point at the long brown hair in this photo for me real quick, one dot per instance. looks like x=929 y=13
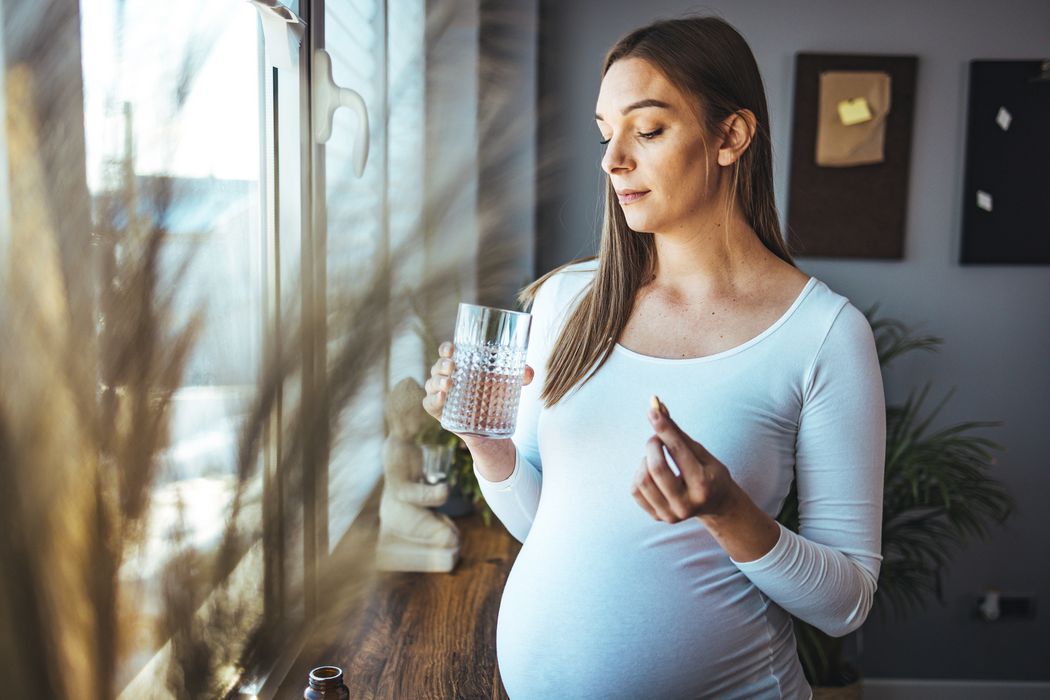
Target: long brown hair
x=706 y=58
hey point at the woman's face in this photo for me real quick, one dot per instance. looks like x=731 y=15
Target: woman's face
x=654 y=154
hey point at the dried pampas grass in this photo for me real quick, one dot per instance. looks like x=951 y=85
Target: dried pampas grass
x=93 y=351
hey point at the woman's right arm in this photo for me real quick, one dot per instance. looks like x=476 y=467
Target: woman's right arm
x=509 y=483
x=509 y=471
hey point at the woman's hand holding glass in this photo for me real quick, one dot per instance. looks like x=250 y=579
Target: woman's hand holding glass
x=489 y=453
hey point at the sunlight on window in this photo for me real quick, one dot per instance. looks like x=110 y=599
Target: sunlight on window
x=190 y=71
x=382 y=58
x=172 y=121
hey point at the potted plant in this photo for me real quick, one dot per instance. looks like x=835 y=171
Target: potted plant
x=938 y=497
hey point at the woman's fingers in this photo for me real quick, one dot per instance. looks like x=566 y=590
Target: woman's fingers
x=529 y=375
x=656 y=461
x=688 y=454
x=670 y=485
x=440 y=381
x=444 y=366
x=700 y=484
x=679 y=445
x=433 y=404
x=658 y=502
x=640 y=490
x=644 y=502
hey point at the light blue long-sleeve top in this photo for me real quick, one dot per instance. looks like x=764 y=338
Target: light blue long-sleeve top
x=605 y=602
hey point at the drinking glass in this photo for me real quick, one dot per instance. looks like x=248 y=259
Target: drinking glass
x=489 y=355
x=437 y=461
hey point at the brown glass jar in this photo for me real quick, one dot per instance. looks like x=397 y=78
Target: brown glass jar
x=326 y=683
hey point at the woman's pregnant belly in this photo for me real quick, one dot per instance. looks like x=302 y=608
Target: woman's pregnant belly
x=658 y=612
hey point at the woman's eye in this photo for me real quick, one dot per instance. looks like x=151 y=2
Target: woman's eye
x=642 y=134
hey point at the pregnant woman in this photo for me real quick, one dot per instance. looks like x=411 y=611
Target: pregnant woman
x=651 y=565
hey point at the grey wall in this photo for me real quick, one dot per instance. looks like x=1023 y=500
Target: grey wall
x=995 y=320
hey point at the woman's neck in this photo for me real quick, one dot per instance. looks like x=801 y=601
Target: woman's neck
x=710 y=260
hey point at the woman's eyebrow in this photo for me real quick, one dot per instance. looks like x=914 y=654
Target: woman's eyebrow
x=638 y=105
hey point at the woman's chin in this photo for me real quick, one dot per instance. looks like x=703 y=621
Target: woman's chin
x=637 y=223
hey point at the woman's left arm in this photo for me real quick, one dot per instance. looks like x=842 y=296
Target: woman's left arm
x=826 y=575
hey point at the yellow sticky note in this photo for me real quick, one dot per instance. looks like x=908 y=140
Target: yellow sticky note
x=854 y=111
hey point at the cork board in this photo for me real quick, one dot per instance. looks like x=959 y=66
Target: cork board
x=856 y=211
x=1006 y=207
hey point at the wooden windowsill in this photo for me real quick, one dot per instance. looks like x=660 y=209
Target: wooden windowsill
x=410 y=635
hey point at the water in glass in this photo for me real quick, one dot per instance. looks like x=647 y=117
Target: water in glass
x=489 y=357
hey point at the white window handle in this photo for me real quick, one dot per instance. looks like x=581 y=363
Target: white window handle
x=328 y=97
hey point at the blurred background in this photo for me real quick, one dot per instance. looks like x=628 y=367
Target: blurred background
x=205 y=304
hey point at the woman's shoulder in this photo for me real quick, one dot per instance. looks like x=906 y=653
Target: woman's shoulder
x=829 y=313
x=829 y=302
x=587 y=266
x=822 y=296
x=575 y=273
x=567 y=281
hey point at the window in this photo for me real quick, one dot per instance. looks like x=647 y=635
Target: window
x=213 y=207
x=197 y=123
x=173 y=133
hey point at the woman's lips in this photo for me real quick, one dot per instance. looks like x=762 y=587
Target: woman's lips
x=629 y=197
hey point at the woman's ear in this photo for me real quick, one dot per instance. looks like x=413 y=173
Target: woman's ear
x=737 y=131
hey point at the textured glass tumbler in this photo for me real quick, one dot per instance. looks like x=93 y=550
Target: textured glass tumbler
x=489 y=355
x=437 y=461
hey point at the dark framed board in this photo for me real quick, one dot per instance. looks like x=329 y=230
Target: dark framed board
x=1006 y=190
x=857 y=211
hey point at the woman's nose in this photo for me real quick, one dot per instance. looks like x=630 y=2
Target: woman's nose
x=616 y=158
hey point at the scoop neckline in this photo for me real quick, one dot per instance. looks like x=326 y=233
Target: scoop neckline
x=731 y=351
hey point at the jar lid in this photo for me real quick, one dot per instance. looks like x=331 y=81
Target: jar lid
x=326 y=678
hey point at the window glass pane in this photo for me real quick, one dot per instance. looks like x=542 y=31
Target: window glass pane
x=172 y=118
x=406 y=144
x=357 y=241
